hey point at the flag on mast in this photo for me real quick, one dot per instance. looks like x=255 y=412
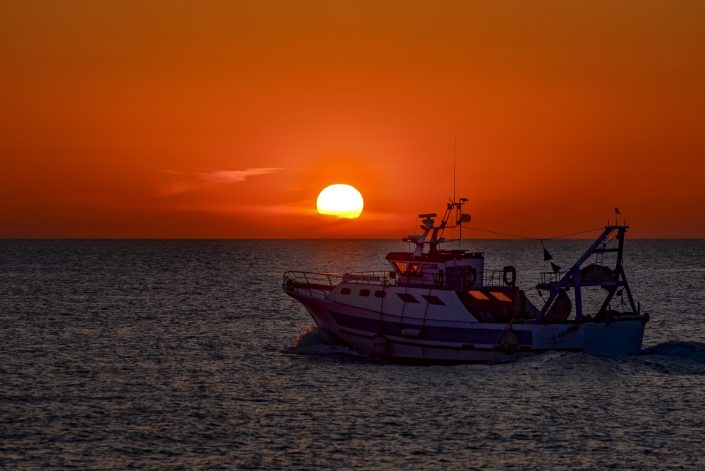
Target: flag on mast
x=546 y=255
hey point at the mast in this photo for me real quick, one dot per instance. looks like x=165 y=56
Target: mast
x=433 y=234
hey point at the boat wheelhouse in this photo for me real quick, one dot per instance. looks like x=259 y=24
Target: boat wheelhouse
x=442 y=305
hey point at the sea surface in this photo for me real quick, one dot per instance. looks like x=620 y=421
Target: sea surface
x=188 y=355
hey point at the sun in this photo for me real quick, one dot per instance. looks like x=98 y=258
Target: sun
x=343 y=201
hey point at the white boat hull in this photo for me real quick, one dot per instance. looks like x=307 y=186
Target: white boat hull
x=393 y=337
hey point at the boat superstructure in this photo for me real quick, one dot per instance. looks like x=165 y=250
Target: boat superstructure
x=442 y=305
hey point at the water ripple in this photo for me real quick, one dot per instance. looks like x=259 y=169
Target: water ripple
x=186 y=354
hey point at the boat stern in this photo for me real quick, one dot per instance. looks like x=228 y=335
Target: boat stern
x=615 y=338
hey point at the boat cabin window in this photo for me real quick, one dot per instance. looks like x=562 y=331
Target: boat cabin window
x=401 y=267
x=408 y=268
x=499 y=296
x=479 y=295
x=407 y=298
x=430 y=299
x=364 y=292
x=380 y=294
x=345 y=291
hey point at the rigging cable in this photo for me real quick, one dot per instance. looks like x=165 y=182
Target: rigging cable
x=489 y=231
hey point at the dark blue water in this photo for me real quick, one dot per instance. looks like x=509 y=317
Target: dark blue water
x=186 y=354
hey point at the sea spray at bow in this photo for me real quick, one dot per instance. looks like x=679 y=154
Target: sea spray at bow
x=317 y=342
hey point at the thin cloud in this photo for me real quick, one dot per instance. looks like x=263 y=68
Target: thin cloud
x=187 y=182
x=235 y=176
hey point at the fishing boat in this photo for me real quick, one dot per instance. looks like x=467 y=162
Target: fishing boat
x=441 y=305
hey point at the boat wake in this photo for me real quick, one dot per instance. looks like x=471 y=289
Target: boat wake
x=676 y=357
x=692 y=351
x=316 y=342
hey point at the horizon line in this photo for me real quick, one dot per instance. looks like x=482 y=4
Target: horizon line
x=30 y=239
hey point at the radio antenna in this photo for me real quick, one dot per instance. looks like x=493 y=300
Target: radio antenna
x=457 y=206
x=455 y=156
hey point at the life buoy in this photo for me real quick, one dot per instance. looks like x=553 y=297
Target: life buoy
x=469 y=278
x=505 y=276
x=509 y=342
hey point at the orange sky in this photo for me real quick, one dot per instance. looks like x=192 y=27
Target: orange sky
x=146 y=119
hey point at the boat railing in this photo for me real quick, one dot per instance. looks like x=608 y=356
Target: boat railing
x=489 y=278
x=493 y=278
x=550 y=277
x=315 y=284
x=367 y=277
x=320 y=284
